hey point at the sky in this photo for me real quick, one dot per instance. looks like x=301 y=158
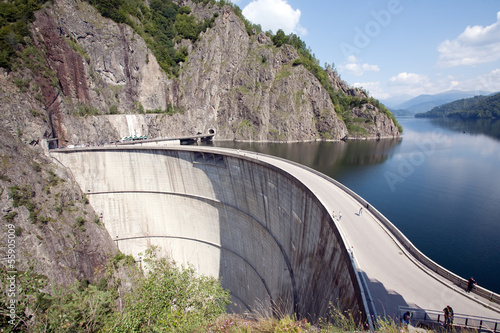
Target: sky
x=395 y=49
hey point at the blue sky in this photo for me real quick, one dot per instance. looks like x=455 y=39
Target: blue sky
x=396 y=49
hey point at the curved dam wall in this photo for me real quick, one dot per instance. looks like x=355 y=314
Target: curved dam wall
x=232 y=217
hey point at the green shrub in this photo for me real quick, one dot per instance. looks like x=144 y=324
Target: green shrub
x=10 y=217
x=80 y=221
x=339 y=321
x=21 y=196
x=53 y=179
x=84 y=109
x=36 y=166
x=78 y=308
x=113 y=109
x=23 y=85
x=33 y=217
x=128 y=260
x=15 y=17
x=171 y=299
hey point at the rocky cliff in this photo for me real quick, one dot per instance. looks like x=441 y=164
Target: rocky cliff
x=242 y=86
x=48 y=221
x=79 y=71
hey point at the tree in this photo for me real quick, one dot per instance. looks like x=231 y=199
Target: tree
x=171 y=299
x=280 y=38
x=187 y=27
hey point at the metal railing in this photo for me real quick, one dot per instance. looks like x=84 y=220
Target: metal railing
x=398 y=236
x=425 y=317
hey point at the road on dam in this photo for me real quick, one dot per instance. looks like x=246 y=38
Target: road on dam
x=392 y=277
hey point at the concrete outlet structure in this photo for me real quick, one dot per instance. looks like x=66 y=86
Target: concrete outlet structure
x=230 y=216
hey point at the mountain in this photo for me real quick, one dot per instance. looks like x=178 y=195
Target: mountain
x=216 y=73
x=394 y=102
x=401 y=113
x=76 y=74
x=423 y=103
x=477 y=107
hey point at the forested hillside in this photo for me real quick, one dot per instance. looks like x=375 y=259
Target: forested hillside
x=478 y=107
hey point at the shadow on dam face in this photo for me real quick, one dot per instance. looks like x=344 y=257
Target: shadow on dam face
x=253 y=225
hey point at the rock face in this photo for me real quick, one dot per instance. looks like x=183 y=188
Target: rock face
x=57 y=232
x=241 y=86
x=80 y=72
x=249 y=90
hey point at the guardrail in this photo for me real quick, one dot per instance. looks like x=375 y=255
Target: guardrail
x=405 y=242
x=419 y=317
x=422 y=258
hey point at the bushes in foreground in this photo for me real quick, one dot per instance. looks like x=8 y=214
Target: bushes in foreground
x=166 y=298
x=171 y=299
x=160 y=298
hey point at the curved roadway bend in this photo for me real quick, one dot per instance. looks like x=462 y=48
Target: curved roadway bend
x=392 y=278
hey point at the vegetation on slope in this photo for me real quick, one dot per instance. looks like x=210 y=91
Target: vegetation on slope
x=343 y=103
x=165 y=298
x=154 y=296
x=477 y=107
x=160 y=24
x=15 y=17
x=162 y=298
x=164 y=23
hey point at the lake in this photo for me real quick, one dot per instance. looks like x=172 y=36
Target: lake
x=440 y=185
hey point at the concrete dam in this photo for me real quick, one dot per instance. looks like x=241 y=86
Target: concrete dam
x=241 y=219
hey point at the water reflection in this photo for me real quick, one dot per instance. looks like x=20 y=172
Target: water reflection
x=446 y=197
x=489 y=127
x=369 y=152
x=327 y=157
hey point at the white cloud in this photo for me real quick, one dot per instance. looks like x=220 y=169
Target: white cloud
x=412 y=84
x=485 y=82
x=356 y=68
x=408 y=79
x=415 y=84
x=274 y=15
x=374 y=88
x=475 y=45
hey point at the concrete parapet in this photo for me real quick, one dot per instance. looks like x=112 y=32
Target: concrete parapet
x=416 y=255
x=233 y=217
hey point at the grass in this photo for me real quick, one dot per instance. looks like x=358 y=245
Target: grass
x=257 y=323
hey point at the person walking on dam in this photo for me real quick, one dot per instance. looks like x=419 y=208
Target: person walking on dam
x=406 y=318
x=448 y=316
x=470 y=284
x=360 y=211
x=451 y=314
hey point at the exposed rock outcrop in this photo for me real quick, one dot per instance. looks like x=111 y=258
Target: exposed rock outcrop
x=79 y=68
x=56 y=231
x=242 y=86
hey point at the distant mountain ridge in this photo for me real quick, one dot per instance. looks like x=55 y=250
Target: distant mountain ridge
x=477 y=107
x=426 y=102
x=401 y=113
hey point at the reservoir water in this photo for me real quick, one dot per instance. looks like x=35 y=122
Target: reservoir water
x=440 y=185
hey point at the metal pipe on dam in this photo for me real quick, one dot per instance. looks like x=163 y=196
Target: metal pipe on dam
x=230 y=216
